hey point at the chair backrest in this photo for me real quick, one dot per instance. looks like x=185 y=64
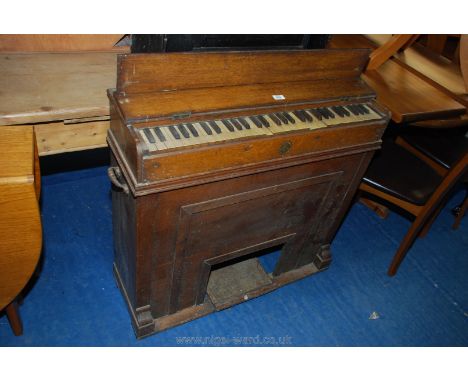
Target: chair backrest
x=451 y=178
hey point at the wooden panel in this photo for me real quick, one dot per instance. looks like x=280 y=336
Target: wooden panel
x=409 y=97
x=155 y=72
x=142 y=106
x=60 y=42
x=297 y=205
x=57 y=137
x=49 y=87
x=16 y=153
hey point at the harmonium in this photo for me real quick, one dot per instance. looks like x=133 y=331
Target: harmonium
x=217 y=157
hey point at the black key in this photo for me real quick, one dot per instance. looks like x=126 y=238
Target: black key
x=228 y=125
x=344 y=111
x=328 y=112
x=338 y=111
x=263 y=120
x=289 y=118
x=149 y=135
x=364 y=109
x=282 y=118
x=206 y=128
x=370 y=108
x=174 y=132
x=160 y=134
x=298 y=114
x=256 y=121
x=192 y=130
x=236 y=124
x=307 y=116
x=184 y=131
x=353 y=109
x=323 y=112
x=316 y=114
x=215 y=127
x=275 y=119
x=244 y=123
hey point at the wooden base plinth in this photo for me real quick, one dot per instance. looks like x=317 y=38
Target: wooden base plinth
x=257 y=284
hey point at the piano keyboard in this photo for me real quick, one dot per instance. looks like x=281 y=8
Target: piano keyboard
x=189 y=134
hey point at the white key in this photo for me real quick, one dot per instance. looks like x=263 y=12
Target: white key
x=274 y=128
x=193 y=140
x=170 y=140
x=299 y=125
x=356 y=118
x=316 y=123
x=227 y=135
x=372 y=114
x=151 y=146
x=203 y=136
x=161 y=145
x=210 y=138
x=334 y=121
x=244 y=132
x=256 y=131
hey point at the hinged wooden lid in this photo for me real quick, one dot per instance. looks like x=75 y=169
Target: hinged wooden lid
x=151 y=86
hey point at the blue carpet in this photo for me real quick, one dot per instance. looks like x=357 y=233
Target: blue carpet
x=75 y=301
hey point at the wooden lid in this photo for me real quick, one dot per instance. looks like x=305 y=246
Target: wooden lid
x=150 y=86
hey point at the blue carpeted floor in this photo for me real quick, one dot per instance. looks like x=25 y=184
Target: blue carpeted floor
x=75 y=301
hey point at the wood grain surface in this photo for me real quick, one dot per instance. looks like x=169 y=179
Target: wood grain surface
x=60 y=42
x=44 y=87
x=155 y=72
x=20 y=223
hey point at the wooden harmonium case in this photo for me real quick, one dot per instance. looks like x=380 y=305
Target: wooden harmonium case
x=218 y=158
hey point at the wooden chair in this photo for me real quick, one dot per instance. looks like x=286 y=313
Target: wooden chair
x=441 y=149
x=402 y=179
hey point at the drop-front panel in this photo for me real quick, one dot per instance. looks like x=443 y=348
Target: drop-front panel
x=201 y=188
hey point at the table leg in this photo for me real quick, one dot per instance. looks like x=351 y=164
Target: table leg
x=14 y=318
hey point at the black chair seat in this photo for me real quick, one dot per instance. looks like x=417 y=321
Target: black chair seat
x=399 y=173
x=444 y=147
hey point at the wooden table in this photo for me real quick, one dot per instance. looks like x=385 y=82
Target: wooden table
x=63 y=95
x=20 y=221
x=406 y=94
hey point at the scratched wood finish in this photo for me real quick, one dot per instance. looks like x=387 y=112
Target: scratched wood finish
x=175 y=71
x=47 y=87
x=178 y=214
